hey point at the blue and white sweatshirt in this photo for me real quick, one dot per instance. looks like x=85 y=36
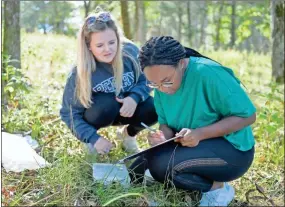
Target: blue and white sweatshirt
x=72 y=110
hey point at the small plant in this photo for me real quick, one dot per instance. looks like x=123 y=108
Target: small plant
x=15 y=84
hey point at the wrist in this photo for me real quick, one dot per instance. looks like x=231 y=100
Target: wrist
x=202 y=133
x=135 y=97
x=94 y=139
x=167 y=132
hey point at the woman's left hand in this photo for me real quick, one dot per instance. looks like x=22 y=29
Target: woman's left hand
x=129 y=106
x=191 y=137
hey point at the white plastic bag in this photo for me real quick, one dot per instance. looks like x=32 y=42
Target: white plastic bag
x=32 y=142
x=18 y=155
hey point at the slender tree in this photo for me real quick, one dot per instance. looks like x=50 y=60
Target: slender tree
x=218 y=25
x=277 y=60
x=233 y=24
x=179 y=14
x=87 y=5
x=190 y=29
x=125 y=18
x=203 y=23
x=11 y=39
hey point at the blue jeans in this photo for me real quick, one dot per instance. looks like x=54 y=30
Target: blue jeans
x=193 y=168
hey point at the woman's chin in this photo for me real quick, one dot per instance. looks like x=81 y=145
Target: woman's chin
x=107 y=60
x=170 y=92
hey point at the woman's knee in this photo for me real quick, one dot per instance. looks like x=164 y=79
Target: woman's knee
x=103 y=110
x=159 y=168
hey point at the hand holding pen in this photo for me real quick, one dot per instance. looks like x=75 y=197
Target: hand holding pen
x=154 y=136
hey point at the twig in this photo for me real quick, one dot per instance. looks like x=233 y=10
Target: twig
x=261 y=190
x=33 y=204
x=55 y=120
x=125 y=195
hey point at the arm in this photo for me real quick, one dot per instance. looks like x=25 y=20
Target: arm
x=226 y=97
x=230 y=101
x=221 y=128
x=166 y=130
x=225 y=126
x=72 y=112
x=168 y=133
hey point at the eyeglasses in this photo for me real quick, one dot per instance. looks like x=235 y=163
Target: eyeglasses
x=103 y=17
x=167 y=84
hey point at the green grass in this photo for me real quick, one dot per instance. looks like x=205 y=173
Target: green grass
x=46 y=60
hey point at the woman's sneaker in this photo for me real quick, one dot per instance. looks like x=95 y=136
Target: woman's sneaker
x=148 y=179
x=129 y=143
x=219 y=197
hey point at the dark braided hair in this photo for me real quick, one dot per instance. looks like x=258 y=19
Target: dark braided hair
x=162 y=50
x=165 y=50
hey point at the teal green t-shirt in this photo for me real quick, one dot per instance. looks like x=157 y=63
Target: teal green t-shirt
x=208 y=93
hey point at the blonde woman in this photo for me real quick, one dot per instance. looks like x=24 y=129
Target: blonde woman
x=106 y=87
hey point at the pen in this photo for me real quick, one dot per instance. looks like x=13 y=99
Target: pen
x=147 y=127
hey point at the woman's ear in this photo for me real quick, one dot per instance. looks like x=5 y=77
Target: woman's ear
x=181 y=63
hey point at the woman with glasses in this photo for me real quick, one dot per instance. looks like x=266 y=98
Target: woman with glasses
x=106 y=87
x=201 y=101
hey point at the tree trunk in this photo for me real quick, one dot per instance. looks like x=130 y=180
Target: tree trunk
x=277 y=60
x=143 y=20
x=160 y=23
x=125 y=19
x=233 y=24
x=137 y=21
x=140 y=22
x=12 y=45
x=45 y=29
x=196 y=36
x=189 y=23
x=179 y=13
x=203 y=23
x=87 y=7
x=218 y=28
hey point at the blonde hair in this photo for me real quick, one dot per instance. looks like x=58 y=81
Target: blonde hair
x=86 y=63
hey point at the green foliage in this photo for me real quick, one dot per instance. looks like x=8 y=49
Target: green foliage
x=42 y=56
x=16 y=84
x=258 y=15
x=269 y=130
x=47 y=15
x=252 y=18
x=280 y=10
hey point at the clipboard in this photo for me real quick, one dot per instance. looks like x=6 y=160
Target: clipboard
x=146 y=150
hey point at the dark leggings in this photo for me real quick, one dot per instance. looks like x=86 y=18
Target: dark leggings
x=193 y=168
x=105 y=111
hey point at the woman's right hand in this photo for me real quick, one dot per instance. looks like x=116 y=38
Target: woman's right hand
x=103 y=146
x=155 y=138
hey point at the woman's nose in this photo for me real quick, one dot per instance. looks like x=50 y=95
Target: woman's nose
x=162 y=89
x=106 y=48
